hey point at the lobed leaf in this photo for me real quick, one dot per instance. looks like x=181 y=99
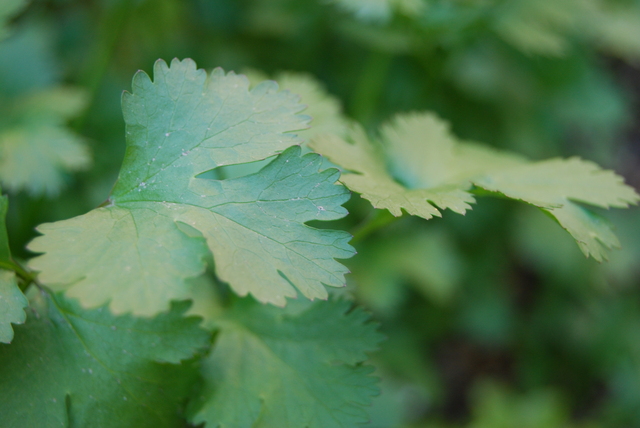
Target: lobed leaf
x=12 y=301
x=298 y=367
x=421 y=167
x=179 y=126
x=322 y=107
x=73 y=367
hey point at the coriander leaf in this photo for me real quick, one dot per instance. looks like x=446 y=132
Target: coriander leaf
x=553 y=182
x=72 y=367
x=324 y=109
x=12 y=301
x=183 y=124
x=36 y=149
x=12 y=304
x=293 y=367
x=421 y=166
x=555 y=185
x=367 y=173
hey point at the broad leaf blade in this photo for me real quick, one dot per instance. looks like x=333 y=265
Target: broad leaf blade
x=179 y=126
x=89 y=368
x=136 y=258
x=553 y=182
x=297 y=367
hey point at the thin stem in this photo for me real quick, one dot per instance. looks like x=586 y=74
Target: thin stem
x=26 y=278
x=374 y=222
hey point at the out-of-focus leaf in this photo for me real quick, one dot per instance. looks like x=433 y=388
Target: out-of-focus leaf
x=437 y=171
x=380 y=11
x=293 y=367
x=90 y=368
x=325 y=110
x=36 y=149
x=496 y=407
x=425 y=260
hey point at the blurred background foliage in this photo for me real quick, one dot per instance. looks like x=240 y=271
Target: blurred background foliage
x=494 y=319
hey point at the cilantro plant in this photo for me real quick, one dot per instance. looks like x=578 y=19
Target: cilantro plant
x=389 y=215
x=106 y=340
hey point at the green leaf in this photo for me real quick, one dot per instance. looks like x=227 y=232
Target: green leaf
x=139 y=250
x=36 y=149
x=423 y=156
x=324 y=109
x=555 y=184
x=12 y=304
x=12 y=301
x=72 y=367
x=438 y=171
x=298 y=367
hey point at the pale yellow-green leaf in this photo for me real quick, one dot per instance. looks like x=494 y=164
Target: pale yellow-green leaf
x=12 y=304
x=163 y=218
x=325 y=110
x=421 y=166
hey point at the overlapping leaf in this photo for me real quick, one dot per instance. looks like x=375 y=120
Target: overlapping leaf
x=436 y=171
x=72 y=367
x=297 y=367
x=324 y=109
x=12 y=301
x=138 y=251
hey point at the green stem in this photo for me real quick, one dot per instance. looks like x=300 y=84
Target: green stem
x=374 y=222
x=25 y=276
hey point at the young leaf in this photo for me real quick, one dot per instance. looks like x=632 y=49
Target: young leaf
x=12 y=301
x=297 y=367
x=437 y=171
x=139 y=250
x=73 y=367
